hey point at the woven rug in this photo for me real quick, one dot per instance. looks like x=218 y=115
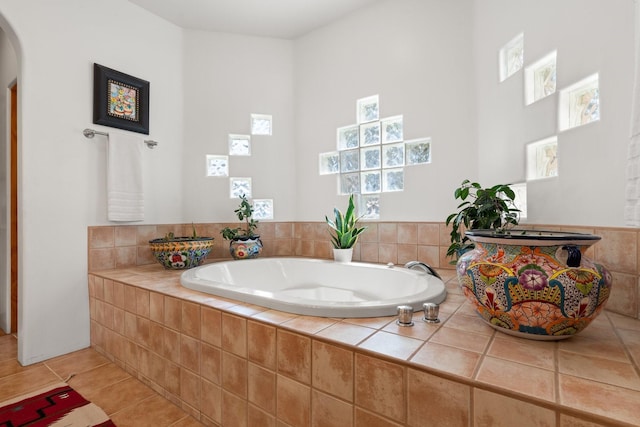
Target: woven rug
x=58 y=405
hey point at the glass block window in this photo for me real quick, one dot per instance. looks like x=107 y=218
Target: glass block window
x=521 y=198
x=511 y=57
x=348 y=137
x=368 y=109
x=393 y=179
x=371 y=182
x=369 y=206
x=370 y=158
x=370 y=133
x=350 y=183
x=579 y=104
x=329 y=163
x=349 y=161
x=239 y=145
x=371 y=155
x=392 y=130
x=542 y=159
x=393 y=155
x=261 y=124
x=262 y=209
x=217 y=165
x=540 y=78
x=417 y=151
x=239 y=186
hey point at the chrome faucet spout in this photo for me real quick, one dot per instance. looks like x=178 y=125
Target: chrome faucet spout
x=425 y=267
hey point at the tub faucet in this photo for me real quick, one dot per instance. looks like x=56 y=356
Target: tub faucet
x=426 y=268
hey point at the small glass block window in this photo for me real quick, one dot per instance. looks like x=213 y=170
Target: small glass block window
x=521 y=198
x=579 y=104
x=369 y=206
x=371 y=182
x=393 y=180
x=370 y=158
x=393 y=155
x=217 y=165
x=370 y=133
x=262 y=209
x=417 y=151
x=542 y=159
x=511 y=57
x=239 y=145
x=392 y=130
x=540 y=78
x=239 y=186
x=261 y=124
x=329 y=163
x=350 y=183
x=348 y=137
x=349 y=161
x=368 y=109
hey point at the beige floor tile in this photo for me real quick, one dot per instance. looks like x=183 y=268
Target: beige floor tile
x=116 y=397
x=76 y=362
x=151 y=412
x=26 y=381
x=346 y=333
x=97 y=378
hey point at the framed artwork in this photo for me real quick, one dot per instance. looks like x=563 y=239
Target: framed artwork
x=120 y=100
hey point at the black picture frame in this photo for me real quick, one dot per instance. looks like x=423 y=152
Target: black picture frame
x=128 y=107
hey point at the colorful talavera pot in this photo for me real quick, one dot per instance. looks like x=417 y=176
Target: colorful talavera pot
x=534 y=284
x=180 y=253
x=245 y=247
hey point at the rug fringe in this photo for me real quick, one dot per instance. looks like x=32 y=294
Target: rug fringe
x=66 y=380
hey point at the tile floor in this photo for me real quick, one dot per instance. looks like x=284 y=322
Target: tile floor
x=125 y=399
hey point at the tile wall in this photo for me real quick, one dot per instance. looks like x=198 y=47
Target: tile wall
x=113 y=247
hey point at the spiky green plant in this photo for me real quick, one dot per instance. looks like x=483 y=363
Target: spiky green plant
x=345 y=227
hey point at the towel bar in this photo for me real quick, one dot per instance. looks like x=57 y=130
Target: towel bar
x=90 y=133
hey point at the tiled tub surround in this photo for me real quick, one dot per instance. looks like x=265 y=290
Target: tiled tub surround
x=232 y=364
x=113 y=247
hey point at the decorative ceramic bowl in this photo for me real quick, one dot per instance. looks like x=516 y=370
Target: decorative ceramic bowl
x=534 y=284
x=180 y=253
x=245 y=247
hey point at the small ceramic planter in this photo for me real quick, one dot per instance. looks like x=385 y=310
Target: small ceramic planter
x=342 y=255
x=245 y=247
x=180 y=253
x=534 y=284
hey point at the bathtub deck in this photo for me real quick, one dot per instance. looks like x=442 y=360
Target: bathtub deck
x=465 y=365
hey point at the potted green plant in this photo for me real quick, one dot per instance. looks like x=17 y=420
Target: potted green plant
x=345 y=231
x=243 y=242
x=491 y=208
x=179 y=253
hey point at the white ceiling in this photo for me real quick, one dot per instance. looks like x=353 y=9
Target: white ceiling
x=286 y=19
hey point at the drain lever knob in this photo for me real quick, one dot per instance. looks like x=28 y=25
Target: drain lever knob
x=431 y=311
x=405 y=315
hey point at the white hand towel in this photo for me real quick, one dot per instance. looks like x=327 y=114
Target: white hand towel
x=125 y=193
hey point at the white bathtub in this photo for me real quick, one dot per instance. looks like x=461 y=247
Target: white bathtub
x=317 y=287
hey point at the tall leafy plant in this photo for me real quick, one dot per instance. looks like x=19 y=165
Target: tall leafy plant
x=345 y=227
x=481 y=208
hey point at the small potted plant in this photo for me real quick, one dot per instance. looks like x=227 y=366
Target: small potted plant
x=243 y=242
x=490 y=208
x=345 y=232
x=179 y=253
